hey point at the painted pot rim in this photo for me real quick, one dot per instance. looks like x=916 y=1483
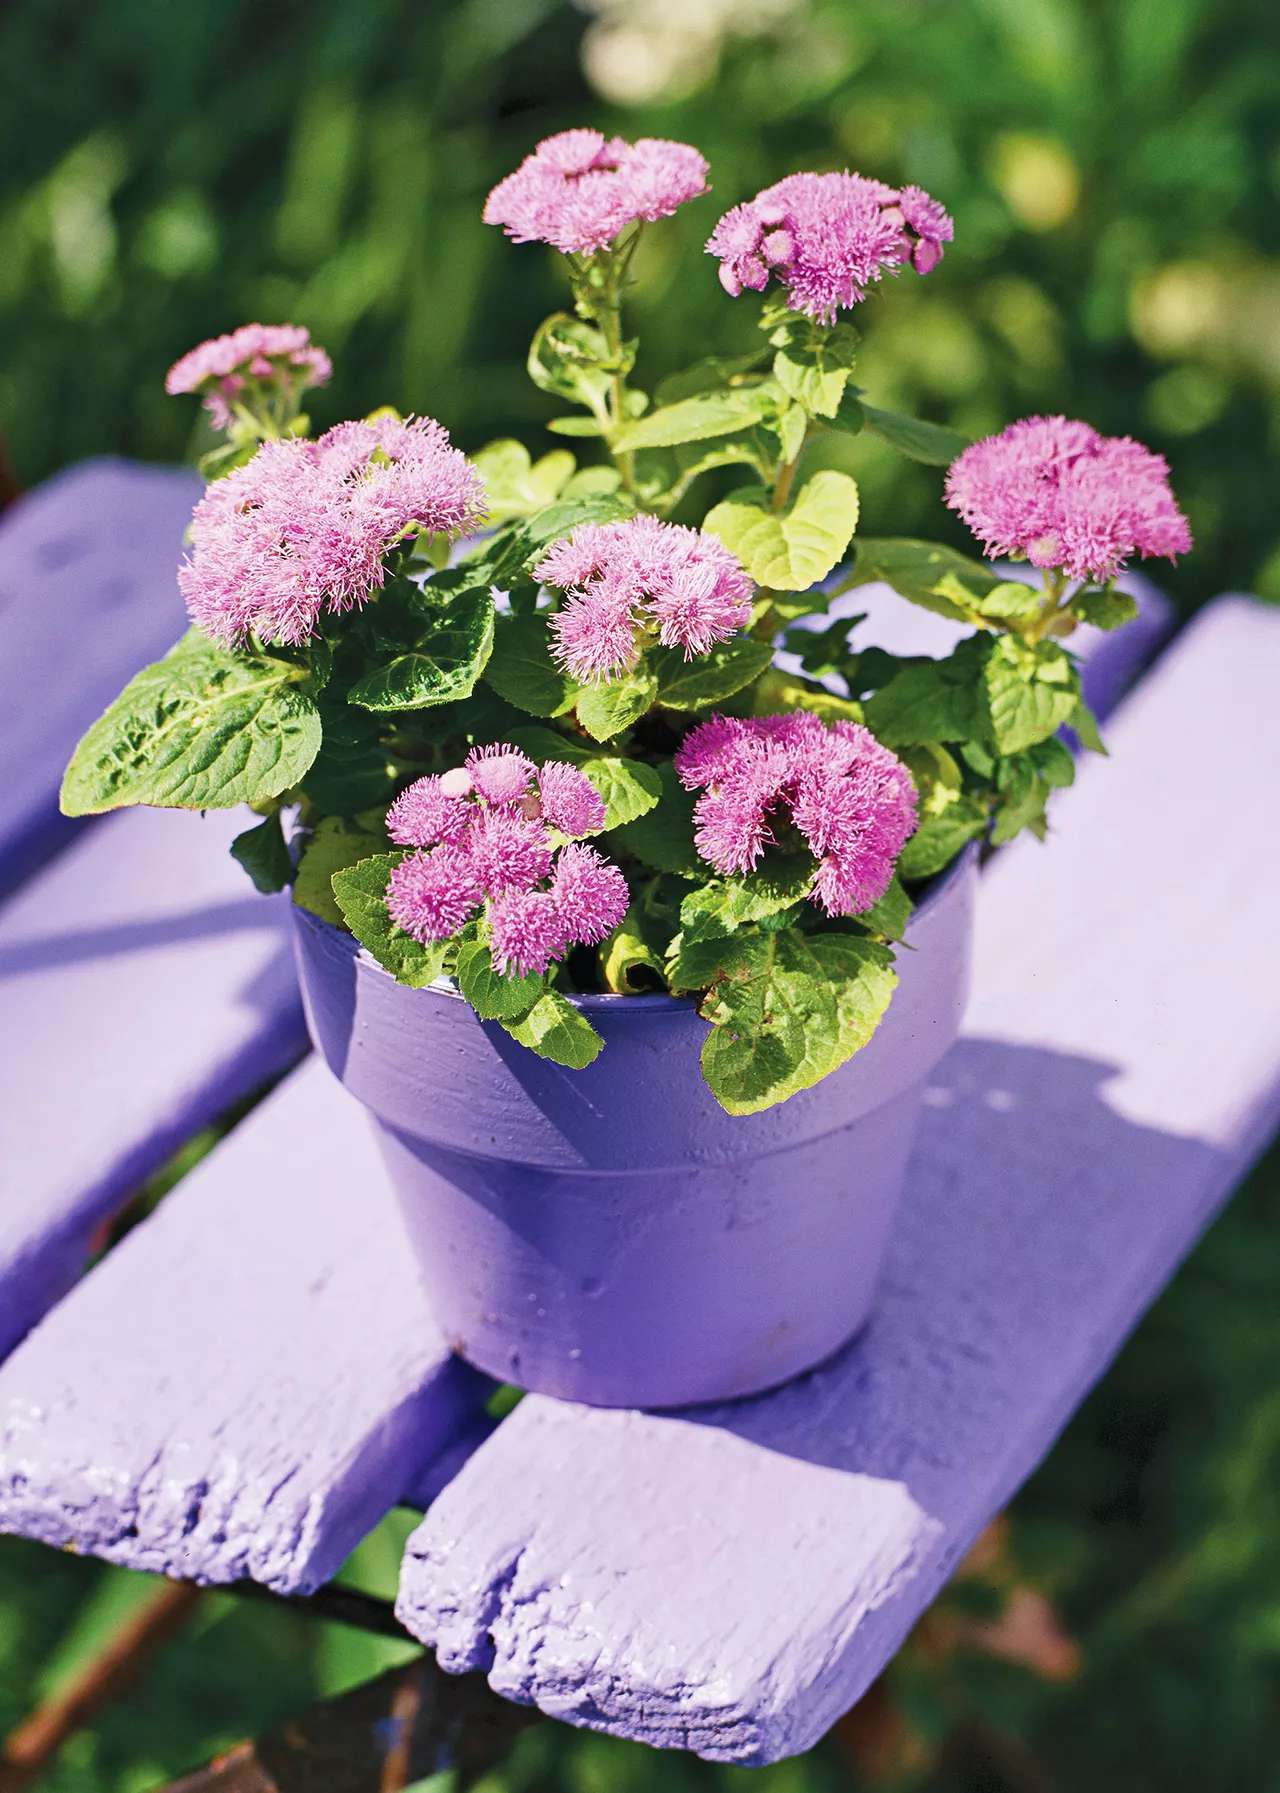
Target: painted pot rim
x=660 y=1002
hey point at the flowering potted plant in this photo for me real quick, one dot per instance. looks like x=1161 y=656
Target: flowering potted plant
x=549 y=792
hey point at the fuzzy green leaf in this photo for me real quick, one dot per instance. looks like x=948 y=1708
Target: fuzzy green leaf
x=709 y=679
x=1106 y=609
x=939 y=838
x=799 y=546
x=814 y=372
x=336 y=843
x=931 y=443
x=207 y=727
x=926 y=573
x=264 y=854
x=633 y=948
x=361 y=892
x=707 y=375
x=554 y=1029
x=521 y=669
x=492 y=996
x=453 y=644
x=663 y=836
x=891 y=914
x=630 y=789
x=571 y=359
x=696 y=419
x=605 y=710
x=788 y=1008
x=727 y=904
x=516 y=485
x=934 y=700
x=1031 y=692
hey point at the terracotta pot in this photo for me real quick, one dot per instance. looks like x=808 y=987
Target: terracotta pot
x=610 y=1235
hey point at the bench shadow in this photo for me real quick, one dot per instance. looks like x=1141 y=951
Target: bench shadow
x=80 y=945
x=1037 y=1226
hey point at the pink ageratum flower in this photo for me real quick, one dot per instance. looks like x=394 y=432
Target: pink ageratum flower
x=641 y=576
x=483 y=831
x=1064 y=496
x=577 y=191
x=278 y=354
x=852 y=800
x=828 y=237
x=303 y=528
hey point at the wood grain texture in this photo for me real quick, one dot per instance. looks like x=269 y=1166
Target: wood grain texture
x=88 y=594
x=144 y=987
x=251 y=1379
x=730 y=1580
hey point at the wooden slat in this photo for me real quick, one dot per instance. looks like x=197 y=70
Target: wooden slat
x=88 y=594
x=730 y=1580
x=251 y=1379
x=144 y=987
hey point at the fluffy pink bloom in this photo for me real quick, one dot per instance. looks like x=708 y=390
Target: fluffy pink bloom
x=852 y=800
x=507 y=852
x=577 y=191
x=1064 y=496
x=432 y=895
x=304 y=526
x=569 y=800
x=525 y=932
x=282 y=354
x=828 y=237
x=590 y=895
x=500 y=774
x=624 y=579
x=426 y=813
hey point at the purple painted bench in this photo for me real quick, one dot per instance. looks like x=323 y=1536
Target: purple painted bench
x=730 y=1580
x=289 y=1385
x=87 y=596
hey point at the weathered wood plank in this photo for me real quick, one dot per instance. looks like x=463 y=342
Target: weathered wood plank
x=248 y=1382
x=144 y=987
x=88 y=594
x=730 y=1580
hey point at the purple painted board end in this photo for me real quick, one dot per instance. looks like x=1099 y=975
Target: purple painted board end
x=251 y=1379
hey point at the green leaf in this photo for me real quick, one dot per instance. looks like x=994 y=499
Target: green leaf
x=554 y=1029
x=521 y=669
x=934 y=700
x=1031 y=692
x=207 y=727
x=575 y=425
x=631 y=949
x=516 y=485
x=788 y=1008
x=1106 y=609
x=593 y=482
x=336 y=843
x=1085 y=724
x=664 y=475
x=693 y=684
x=264 y=854
x=706 y=375
x=891 y=914
x=791 y=427
x=695 y=419
x=452 y=649
x=796 y=548
x=361 y=893
x=571 y=358
x=931 y=443
x=630 y=789
x=605 y=710
x=939 y=838
x=727 y=904
x=493 y=997
x=663 y=836
x=928 y=574
x=815 y=371
x=353 y=769
x=850 y=416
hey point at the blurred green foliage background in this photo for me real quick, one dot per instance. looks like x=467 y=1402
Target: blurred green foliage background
x=172 y=168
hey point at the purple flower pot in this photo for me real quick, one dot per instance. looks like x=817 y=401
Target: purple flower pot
x=611 y=1235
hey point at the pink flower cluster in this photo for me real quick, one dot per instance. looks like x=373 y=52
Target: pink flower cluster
x=1067 y=497
x=577 y=191
x=828 y=237
x=621 y=579
x=222 y=368
x=305 y=525
x=482 y=831
x=853 y=802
